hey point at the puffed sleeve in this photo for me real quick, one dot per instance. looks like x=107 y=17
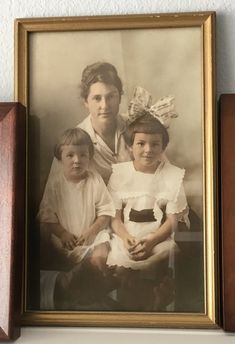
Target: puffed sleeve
x=104 y=203
x=179 y=206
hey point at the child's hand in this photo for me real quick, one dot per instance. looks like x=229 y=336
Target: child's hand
x=129 y=241
x=86 y=238
x=68 y=240
x=143 y=248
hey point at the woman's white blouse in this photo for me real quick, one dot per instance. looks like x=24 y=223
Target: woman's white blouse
x=104 y=157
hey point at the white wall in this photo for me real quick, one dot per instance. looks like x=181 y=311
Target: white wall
x=225 y=50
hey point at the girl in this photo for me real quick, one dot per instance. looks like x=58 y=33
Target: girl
x=148 y=193
x=76 y=206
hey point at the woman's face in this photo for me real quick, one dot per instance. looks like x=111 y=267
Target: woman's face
x=103 y=102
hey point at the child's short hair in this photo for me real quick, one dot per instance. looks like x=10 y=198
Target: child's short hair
x=146 y=124
x=74 y=136
x=99 y=72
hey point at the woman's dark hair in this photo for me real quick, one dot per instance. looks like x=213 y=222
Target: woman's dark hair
x=75 y=136
x=146 y=124
x=99 y=72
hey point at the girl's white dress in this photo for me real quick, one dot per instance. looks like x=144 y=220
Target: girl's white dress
x=75 y=207
x=162 y=191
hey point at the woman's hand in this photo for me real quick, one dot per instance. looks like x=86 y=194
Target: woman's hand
x=68 y=240
x=143 y=248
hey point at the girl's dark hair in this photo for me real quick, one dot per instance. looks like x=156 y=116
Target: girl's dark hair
x=75 y=136
x=146 y=124
x=99 y=72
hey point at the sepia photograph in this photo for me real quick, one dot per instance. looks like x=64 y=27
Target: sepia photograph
x=120 y=169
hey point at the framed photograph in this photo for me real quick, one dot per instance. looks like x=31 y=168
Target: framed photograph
x=227 y=192
x=121 y=170
x=12 y=185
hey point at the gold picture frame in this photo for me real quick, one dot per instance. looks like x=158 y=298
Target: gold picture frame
x=179 y=49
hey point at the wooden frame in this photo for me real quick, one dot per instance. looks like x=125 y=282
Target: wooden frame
x=12 y=181
x=227 y=192
x=27 y=33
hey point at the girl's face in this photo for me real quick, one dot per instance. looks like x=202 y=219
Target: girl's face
x=75 y=161
x=103 y=102
x=147 y=150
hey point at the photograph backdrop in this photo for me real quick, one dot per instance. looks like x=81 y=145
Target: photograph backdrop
x=164 y=61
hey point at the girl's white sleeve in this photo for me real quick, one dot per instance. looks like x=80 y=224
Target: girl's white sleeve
x=179 y=206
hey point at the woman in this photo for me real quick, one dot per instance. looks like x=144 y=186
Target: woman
x=101 y=89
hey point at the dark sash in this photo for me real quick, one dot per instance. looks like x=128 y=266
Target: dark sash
x=145 y=215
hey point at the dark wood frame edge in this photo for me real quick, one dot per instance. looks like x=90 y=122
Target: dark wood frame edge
x=227 y=223
x=13 y=149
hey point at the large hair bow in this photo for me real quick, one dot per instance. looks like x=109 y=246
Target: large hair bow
x=163 y=109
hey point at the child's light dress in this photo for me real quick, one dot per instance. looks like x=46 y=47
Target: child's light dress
x=75 y=207
x=160 y=192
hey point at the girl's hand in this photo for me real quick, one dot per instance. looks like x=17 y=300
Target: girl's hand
x=143 y=248
x=129 y=241
x=68 y=240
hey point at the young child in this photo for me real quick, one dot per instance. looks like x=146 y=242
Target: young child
x=76 y=206
x=148 y=193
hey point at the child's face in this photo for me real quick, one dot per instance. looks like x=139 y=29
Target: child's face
x=75 y=161
x=147 y=150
